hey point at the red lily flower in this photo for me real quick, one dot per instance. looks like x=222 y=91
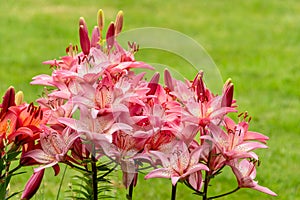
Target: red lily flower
x=29 y=119
x=8 y=119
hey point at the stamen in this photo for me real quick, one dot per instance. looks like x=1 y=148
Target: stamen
x=41 y=114
x=37 y=112
x=79 y=60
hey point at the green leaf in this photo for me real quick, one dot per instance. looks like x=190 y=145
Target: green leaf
x=12 y=195
x=12 y=156
x=1 y=165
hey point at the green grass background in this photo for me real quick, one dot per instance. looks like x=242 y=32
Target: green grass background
x=256 y=43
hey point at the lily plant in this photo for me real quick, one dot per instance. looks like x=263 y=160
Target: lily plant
x=97 y=115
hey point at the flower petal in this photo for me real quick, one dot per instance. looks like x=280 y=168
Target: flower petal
x=159 y=173
x=264 y=190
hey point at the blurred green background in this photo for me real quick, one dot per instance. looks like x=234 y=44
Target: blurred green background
x=256 y=43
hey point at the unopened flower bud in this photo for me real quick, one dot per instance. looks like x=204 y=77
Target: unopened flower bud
x=100 y=20
x=95 y=37
x=227 y=94
x=153 y=83
x=19 y=97
x=8 y=99
x=119 y=22
x=84 y=37
x=83 y=23
x=33 y=185
x=110 y=36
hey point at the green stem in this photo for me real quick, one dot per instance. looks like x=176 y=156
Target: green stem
x=11 y=171
x=94 y=178
x=218 y=171
x=191 y=187
x=206 y=182
x=222 y=195
x=174 y=187
x=61 y=182
x=207 y=173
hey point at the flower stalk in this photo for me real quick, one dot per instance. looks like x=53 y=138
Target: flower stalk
x=94 y=177
x=174 y=188
x=225 y=194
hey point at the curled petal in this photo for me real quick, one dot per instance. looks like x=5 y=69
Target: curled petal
x=159 y=173
x=195 y=180
x=195 y=168
x=249 y=135
x=38 y=155
x=249 y=146
x=46 y=166
x=162 y=157
x=56 y=169
x=264 y=190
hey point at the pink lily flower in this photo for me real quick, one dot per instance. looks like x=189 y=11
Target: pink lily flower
x=245 y=173
x=206 y=113
x=56 y=108
x=242 y=127
x=178 y=165
x=54 y=147
x=95 y=127
x=232 y=144
x=124 y=150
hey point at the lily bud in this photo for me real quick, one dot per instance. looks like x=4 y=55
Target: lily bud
x=83 y=23
x=227 y=94
x=8 y=100
x=110 y=36
x=95 y=37
x=19 y=97
x=100 y=20
x=119 y=22
x=200 y=87
x=168 y=80
x=84 y=37
x=33 y=185
x=153 y=83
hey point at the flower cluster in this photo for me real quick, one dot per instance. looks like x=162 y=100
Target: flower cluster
x=97 y=106
x=19 y=128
